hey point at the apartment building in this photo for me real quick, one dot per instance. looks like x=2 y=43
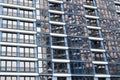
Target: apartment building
x=59 y=40
x=78 y=39
x=18 y=48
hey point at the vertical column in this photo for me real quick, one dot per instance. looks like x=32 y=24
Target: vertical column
x=95 y=78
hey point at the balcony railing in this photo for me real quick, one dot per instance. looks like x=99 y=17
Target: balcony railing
x=55 y=8
x=17 y=54
x=15 y=69
x=56 y=19
x=28 y=4
x=8 y=26
x=17 y=40
x=31 y=16
x=90 y=13
x=89 y=3
x=62 y=70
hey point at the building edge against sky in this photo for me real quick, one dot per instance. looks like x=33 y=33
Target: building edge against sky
x=59 y=40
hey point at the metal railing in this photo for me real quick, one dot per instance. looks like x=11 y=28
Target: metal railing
x=56 y=19
x=55 y=8
x=61 y=70
x=89 y=3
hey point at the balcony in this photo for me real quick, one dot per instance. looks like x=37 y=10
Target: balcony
x=58 y=29
x=100 y=69
x=55 y=6
x=89 y=2
x=56 y=19
x=59 y=54
x=92 y=22
x=17 y=40
x=96 y=44
x=61 y=70
x=56 y=1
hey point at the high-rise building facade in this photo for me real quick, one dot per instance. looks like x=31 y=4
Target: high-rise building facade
x=59 y=40
x=78 y=39
x=18 y=48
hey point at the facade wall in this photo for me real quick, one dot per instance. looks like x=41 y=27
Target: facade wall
x=18 y=49
x=78 y=39
x=59 y=40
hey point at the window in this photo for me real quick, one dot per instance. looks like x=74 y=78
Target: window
x=26 y=13
x=27 y=78
x=29 y=39
x=11 y=24
x=27 y=66
x=27 y=26
x=27 y=52
x=8 y=65
x=8 y=77
x=9 y=11
x=9 y=37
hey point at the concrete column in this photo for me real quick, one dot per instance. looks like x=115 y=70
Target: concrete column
x=69 y=78
x=54 y=78
x=108 y=78
x=1 y=23
x=95 y=78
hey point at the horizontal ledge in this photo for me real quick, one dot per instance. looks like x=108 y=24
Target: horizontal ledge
x=16 y=30
x=18 y=44
x=18 y=58
x=56 y=1
x=17 y=18
x=59 y=35
x=17 y=6
x=98 y=50
x=102 y=75
x=60 y=60
x=88 y=6
x=93 y=27
x=61 y=74
x=55 y=11
x=116 y=2
x=18 y=73
x=118 y=11
x=95 y=38
x=99 y=62
x=55 y=22
x=59 y=47
x=93 y=17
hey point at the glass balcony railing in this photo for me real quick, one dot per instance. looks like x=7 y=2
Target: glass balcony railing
x=90 y=3
x=62 y=70
x=28 y=4
x=56 y=19
x=9 y=26
x=16 y=40
x=55 y=8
